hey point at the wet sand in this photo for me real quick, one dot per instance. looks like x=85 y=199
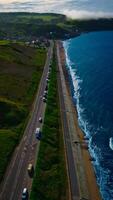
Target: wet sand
x=85 y=169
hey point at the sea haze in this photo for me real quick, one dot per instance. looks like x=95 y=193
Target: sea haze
x=72 y=8
x=90 y=62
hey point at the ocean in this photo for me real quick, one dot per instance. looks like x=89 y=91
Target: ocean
x=90 y=61
x=90 y=64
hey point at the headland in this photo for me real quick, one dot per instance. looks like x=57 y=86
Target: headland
x=29 y=26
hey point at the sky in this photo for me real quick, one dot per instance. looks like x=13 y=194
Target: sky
x=72 y=8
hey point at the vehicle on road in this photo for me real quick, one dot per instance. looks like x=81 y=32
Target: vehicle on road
x=25 y=194
x=47 y=80
x=48 y=73
x=45 y=95
x=46 y=88
x=44 y=99
x=45 y=92
x=40 y=119
x=38 y=133
x=30 y=170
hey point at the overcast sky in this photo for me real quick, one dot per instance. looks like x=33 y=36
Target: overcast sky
x=72 y=8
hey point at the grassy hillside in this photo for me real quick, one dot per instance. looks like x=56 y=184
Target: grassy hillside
x=29 y=25
x=20 y=69
x=20 y=72
x=50 y=181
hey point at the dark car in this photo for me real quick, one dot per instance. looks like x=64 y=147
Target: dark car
x=45 y=95
x=44 y=100
x=46 y=87
x=38 y=136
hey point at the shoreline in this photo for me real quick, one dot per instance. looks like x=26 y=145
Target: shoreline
x=90 y=180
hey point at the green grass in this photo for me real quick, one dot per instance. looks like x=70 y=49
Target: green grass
x=39 y=56
x=11 y=114
x=4 y=42
x=8 y=140
x=21 y=68
x=20 y=71
x=46 y=17
x=50 y=180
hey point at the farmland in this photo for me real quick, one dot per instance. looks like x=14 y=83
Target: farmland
x=21 y=68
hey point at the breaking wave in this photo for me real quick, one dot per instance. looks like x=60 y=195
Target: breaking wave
x=103 y=174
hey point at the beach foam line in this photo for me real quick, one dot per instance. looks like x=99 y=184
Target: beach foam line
x=85 y=169
x=101 y=175
x=111 y=143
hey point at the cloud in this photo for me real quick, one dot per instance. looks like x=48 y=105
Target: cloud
x=76 y=9
x=84 y=14
x=8 y=1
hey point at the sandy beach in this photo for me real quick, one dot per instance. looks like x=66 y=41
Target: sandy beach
x=84 y=167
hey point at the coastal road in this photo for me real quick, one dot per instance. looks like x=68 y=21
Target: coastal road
x=16 y=177
x=81 y=176
x=74 y=184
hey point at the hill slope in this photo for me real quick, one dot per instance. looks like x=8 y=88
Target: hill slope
x=29 y=25
x=20 y=72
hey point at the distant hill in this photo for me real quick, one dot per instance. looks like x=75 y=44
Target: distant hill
x=30 y=25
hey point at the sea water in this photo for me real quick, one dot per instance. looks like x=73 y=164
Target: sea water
x=90 y=64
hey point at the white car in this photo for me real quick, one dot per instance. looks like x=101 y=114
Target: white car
x=45 y=92
x=40 y=119
x=25 y=194
x=38 y=133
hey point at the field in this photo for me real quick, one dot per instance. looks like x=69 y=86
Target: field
x=20 y=72
x=50 y=180
x=46 y=18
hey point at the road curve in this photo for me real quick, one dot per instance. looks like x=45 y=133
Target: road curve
x=16 y=177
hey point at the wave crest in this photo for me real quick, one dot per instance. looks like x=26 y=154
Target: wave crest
x=111 y=143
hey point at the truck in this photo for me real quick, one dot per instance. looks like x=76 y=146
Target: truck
x=30 y=170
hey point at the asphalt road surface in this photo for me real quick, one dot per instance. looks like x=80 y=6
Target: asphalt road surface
x=73 y=179
x=16 y=177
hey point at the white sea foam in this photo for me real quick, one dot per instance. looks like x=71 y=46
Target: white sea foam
x=111 y=143
x=103 y=175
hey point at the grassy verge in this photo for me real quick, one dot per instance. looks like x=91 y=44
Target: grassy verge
x=8 y=140
x=21 y=68
x=50 y=180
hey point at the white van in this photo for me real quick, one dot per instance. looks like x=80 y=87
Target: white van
x=38 y=133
